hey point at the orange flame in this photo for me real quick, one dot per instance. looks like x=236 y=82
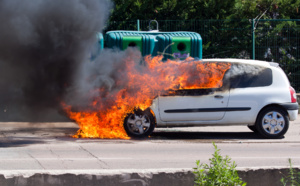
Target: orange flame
x=141 y=84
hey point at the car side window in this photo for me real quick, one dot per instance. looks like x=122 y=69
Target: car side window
x=244 y=76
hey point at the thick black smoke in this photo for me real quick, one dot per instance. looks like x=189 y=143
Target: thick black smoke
x=107 y=72
x=42 y=43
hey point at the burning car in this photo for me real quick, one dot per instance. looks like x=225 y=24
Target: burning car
x=253 y=93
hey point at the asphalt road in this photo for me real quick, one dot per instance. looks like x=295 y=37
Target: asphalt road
x=27 y=148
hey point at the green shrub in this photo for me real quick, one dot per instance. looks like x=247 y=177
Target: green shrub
x=219 y=172
x=293 y=178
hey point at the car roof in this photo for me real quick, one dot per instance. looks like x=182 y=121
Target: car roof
x=243 y=61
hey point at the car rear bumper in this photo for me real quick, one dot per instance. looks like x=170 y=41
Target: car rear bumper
x=292 y=109
x=290 y=106
x=293 y=114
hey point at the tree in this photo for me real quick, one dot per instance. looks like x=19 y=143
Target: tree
x=269 y=9
x=171 y=9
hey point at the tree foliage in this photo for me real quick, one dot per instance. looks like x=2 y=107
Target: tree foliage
x=171 y=9
x=125 y=10
x=267 y=9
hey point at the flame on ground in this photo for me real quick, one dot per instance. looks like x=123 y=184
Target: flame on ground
x=140 y=85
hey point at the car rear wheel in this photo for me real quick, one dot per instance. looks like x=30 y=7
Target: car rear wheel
x=272 y=122
x=139 y=124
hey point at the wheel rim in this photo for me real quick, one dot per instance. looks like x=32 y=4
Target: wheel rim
x=273 y=122
x=138 y=124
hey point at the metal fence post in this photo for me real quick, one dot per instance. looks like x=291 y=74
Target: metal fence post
x=253 y=39
x=138 y=25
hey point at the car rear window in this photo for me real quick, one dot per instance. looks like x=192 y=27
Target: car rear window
x=244 y=75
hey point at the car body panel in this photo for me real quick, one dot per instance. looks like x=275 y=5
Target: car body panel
x=193 y=108
x=240 y=106
x=255 y=99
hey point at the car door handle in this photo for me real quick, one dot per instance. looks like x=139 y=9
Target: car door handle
x=219 y=96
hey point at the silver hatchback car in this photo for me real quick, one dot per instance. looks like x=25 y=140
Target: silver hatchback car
x=255 y=93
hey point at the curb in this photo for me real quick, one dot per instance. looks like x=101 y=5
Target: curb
x=178 y=177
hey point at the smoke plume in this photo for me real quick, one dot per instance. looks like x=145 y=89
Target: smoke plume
x=42 y=45
x=107 y=75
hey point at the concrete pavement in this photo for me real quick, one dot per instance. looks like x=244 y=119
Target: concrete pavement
x=45 y=154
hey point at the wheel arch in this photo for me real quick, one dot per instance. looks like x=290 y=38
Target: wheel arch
x=153 y=115
x=271 y=105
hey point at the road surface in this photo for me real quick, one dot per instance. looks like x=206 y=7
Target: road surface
x=28 y=148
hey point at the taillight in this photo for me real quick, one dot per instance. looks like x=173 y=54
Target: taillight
x=293 y=95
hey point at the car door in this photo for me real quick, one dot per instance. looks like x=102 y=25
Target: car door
x=204 y=105
x=249 y=92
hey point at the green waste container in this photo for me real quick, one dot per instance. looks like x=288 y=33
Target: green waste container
x=179 y=45
x=124 y=39
x=132 y=41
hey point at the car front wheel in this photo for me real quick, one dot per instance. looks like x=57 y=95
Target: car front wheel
x=139 y=124
x=272 y=122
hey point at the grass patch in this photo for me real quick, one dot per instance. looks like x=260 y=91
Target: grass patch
x=293 y=178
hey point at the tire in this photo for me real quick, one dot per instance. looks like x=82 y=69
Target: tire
x=253 y=128
x=139 y=124
x=272 y=122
